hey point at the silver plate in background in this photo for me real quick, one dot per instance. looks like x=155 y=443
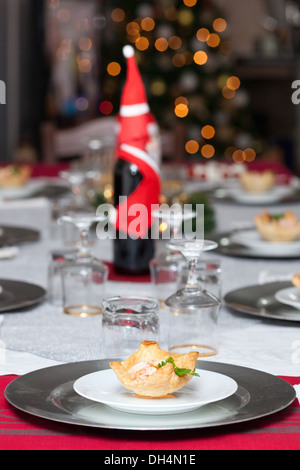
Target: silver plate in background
x=259 y=300
x=11 y=235
x=227 y=247
x=48 y=393
x=222 y=195
x=17 y=295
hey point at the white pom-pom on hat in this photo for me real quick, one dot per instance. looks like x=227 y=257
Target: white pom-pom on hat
x=128 y=51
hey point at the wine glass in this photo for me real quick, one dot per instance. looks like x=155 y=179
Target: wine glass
x=83 y=278
x=165 y=266
x=193 y=310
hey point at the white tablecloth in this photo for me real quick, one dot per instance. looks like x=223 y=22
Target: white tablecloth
x=43 y=336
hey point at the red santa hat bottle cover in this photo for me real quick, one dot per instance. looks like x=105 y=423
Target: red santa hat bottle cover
x=137 y=175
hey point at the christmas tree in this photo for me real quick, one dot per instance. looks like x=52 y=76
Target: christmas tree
x=184 y=53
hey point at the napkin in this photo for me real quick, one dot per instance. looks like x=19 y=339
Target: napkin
x=266 y=276
x=297 y=390
x=8 y=252
x=32 y=213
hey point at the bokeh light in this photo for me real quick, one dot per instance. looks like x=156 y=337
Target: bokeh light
x=200 y=57
x=142 y=43
x=213 y=40
x=190 y=3
x=106 y=107
x=202 y=34
x=161 y=44
x=238 y=156
x=85 y=44
x=233 y=83
x=179 y=60
x=181 y=110
x=113 y=68
x=147 y=24
x=192 y=146
x=207 y=151
x=118 y=15
x=208 y=132
x=219 y=25
x=175 y=42
x=228 y=93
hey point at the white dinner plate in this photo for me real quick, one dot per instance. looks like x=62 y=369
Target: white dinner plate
x=253 y=240
x=289 y=296
x=277 y=193
x=104 y=387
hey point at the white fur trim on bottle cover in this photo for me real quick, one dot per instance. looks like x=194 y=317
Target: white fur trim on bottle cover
x=132 y=110
x=136 y=152
x=128 y=51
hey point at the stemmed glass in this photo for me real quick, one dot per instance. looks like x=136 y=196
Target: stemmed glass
x=194 y=311
x=164 y=267
x=84 y=277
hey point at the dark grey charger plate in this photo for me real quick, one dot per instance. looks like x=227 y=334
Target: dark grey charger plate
x=11 y=235
x=48 y=393
x=229 y=248
x=18 y=294
x=259 y=300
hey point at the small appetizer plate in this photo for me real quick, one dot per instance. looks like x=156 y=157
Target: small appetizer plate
x=289 y=296
x=104 y=387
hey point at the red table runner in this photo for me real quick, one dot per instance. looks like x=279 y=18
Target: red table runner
x=21 y=431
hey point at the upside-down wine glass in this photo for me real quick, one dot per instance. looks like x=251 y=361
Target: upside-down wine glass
x=164 y=267
x=193 y=310
x=83 y=278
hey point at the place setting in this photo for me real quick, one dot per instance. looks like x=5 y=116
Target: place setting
x=174 y=387
x=270 y=235
x=257 y=188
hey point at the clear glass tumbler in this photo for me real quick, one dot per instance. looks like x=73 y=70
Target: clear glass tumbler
x=126 y=322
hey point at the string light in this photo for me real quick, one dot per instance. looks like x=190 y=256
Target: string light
x=113 y=68
x=190 y=3
x=200 y=57
x=237 y=156
x=132 y=28
x=161 y=44
x=118 y=15
x=181 y=100
x=228 y=93
x=85 y=44
x=179 y=60
x=147 y=24
x=181 y=110
x=249 y=155
x=192 y=146
x=207 y=151
x=233 y=83
x=142 y=43
x=213 y=40
x=175 y=42
x=63 y=15
x=208 y=132
x=202 y=34
x=81 y=104
x=219 y=25
x=106 y=107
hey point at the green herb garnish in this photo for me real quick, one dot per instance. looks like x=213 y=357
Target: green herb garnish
x=15 y=170
x=178 y=371
x=276 y=216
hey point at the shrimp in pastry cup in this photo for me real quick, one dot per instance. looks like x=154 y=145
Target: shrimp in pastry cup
x=151 y=372
x=278 y=228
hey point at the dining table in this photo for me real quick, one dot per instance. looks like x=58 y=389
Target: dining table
x=41 y=340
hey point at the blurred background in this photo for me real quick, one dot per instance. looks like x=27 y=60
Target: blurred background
x=218 y=75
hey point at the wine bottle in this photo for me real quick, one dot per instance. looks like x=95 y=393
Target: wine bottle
x=131 y=255
x=136 y=175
